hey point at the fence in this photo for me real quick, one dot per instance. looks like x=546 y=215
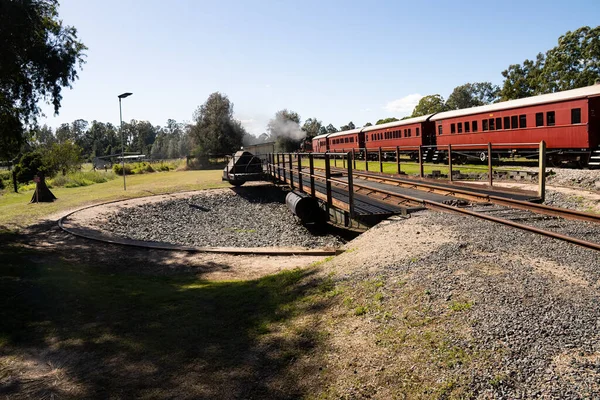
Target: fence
x=283 y=166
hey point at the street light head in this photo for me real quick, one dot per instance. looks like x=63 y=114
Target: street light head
x=122 y=96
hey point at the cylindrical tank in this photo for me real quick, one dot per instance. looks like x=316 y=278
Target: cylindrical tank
x=304 y=207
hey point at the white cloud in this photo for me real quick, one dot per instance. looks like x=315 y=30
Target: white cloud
x=403 y=105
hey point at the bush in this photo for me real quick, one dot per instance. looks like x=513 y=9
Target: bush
x=29 y=165
x=77 y=179
x=118 y=169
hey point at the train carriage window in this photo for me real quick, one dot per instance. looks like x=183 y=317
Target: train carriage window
x=459 y=126
x=417 y=133
x=347 y=140
x=506 y=122
x=484 y=124
x=452 y=128
x=522 y=121
x=550 y=118
x=475 y=128
x=498 y=123
x=409 y=132
x=405 y=133
x=539 y=119
x=467 y=127
x=439 y=129
x=576 y=115
x=492 y=126
x=514 y=122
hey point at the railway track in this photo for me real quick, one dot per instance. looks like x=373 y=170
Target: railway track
x=506 y=210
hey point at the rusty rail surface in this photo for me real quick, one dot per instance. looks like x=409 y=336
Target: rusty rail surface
x=470 y=195
x=386 y=195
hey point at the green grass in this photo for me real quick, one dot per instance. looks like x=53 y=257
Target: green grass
x=409 y=167
x=15 y=210
x=104 y=322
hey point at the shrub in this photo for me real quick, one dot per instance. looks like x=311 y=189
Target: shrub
x=77 y=179
x=118 y=169
x=29 y=165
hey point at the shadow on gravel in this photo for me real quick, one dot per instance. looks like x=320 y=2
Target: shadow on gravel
x=75 y=325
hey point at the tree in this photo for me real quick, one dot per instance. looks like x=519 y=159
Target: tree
x=472 y=95
x=64 y=157
x=331 y=129
x=522 y=81
x=38 y=57
x=386 y=120
x=312 y=127
x=368 y=124
x=429 y=104
x=573 y=63
x=215 y=131
x=322 y=130
x=285 y=129
x=348 y=126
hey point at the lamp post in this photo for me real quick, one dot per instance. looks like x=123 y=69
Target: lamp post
x=122 y=96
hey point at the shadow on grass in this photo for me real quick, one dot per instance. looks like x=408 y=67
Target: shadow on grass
x=94 y=332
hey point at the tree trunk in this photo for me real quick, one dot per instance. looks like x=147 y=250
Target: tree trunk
x=42 y=193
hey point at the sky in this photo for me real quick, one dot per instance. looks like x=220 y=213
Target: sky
x=337 y=61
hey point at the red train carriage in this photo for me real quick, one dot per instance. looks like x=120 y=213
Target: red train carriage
x=319 y=143
x=568 y=121
x=346 y=140
x=407 y=134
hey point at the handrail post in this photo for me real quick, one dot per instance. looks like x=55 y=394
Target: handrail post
x=291 y=171
x=450 y=162
x=366 y=159
x=350 y=188
x=490 y=169
x=328 y=182
x=353 y=159
x=421 y=174
x=300 y=183
x=311 y=169
x=542 y=172
x=278 y=169
x=380 y=161
x=334 y=158
x=398 y=170
x=283 y=167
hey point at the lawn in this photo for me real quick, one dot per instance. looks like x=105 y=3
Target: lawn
x=95 y=323
x=409 y=167
x=15 y=210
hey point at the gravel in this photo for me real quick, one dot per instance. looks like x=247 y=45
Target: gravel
x=580 y=178
x=536 y=311
x=246 y=217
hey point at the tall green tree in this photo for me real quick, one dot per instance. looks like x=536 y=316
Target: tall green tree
x=348 y=126
x=312 y=127
x=38 y=57
x=331 y=129
x=573 y=63
x=429 y=104
x=472 y=95
x=215 y=131
x=63 y=157
x=386 y=120
x=522 y=81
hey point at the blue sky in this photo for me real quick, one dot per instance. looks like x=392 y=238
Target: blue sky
x=338 y=61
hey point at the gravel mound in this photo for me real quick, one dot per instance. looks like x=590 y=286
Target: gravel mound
x=241 y=217
x=536 y=302
x=580 y=178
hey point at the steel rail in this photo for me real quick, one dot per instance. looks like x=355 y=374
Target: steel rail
x=519 y=204
x=440 y=206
